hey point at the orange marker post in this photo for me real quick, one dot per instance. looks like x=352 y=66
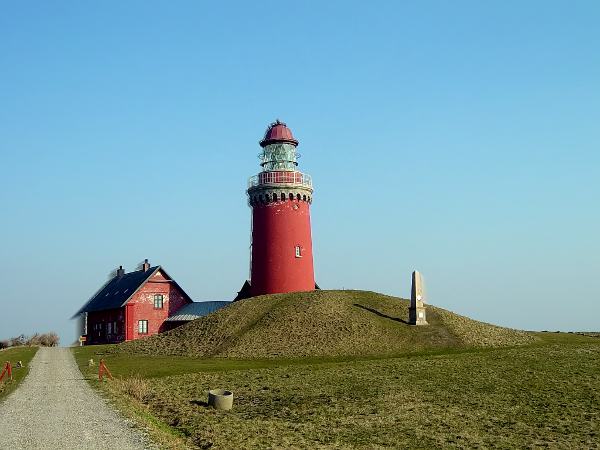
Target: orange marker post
x=102 y=369
x=6 y=371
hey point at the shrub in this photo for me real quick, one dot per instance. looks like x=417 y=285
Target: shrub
x=134 y=386
x=17 y=341
x=34 y=339
x=45 y=340
x=49 y=339
x=3 y=344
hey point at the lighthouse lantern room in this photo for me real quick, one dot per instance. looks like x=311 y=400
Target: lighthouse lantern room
x=280 y=197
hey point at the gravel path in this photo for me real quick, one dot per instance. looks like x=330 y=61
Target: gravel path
x=55 y=408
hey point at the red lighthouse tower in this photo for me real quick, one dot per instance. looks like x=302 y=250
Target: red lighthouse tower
x=280 y=198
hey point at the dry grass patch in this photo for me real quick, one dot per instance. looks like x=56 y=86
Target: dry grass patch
x=135 y=387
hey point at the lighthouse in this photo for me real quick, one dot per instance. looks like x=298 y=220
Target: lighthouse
x=280 y=197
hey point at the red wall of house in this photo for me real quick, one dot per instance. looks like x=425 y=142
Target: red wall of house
x=142 y=305
x=139 y=307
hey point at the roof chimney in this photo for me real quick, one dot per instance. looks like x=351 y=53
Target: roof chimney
x=120 y=271
x=146 y=265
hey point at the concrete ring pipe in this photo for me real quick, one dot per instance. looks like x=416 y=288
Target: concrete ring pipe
x=220 y=399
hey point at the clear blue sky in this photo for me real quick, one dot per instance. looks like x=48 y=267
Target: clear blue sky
x=461 y=139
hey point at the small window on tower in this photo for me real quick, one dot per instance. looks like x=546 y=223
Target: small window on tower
x=158 y=301
x=298 y=252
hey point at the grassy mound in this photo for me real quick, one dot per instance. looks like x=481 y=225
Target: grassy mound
x=322 y=323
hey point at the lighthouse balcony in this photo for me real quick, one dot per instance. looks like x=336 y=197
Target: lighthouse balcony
x=281 y=178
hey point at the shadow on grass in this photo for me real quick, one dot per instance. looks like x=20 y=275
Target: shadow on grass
x=199 y=403
x=380 y=314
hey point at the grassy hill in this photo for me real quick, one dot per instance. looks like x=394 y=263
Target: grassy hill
x=322 y=323
x=338 y=369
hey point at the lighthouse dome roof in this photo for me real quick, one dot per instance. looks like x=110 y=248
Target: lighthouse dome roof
x=278 y=132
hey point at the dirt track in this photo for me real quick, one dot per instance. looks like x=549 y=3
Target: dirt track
x=55 y=408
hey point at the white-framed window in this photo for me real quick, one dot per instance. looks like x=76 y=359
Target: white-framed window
x=298 y=251
x=142 y=326
x=158 y=301
x=109 y=328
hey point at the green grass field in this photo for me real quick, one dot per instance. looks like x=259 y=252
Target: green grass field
x=24 y=354
x=545 y=394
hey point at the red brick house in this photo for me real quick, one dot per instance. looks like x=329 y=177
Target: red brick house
x=132 y=305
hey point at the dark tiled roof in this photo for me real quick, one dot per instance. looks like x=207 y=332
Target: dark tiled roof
x=244 y=292
x=197 y=309
x=117 y=291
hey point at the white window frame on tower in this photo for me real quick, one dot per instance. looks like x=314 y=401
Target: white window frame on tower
x=298 y=251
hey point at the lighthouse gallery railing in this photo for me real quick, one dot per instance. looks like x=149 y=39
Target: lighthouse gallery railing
x=283 y=177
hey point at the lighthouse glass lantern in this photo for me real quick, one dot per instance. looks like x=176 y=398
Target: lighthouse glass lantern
x=280 y=197
x=278 y=157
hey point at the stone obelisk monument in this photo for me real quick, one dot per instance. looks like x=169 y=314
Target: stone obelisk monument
x=416 y=312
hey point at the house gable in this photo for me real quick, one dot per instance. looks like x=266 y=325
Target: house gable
x=143 y=307
x=118 y=291
x=160 y=283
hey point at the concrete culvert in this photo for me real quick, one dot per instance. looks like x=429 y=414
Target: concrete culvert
x=220 y=399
